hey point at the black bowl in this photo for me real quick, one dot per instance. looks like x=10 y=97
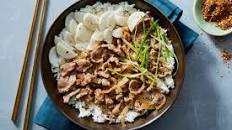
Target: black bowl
x=72 y=114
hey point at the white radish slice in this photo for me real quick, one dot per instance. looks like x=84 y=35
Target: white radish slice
x=107 y=21
x=97 y=36
x=90 y=21
x=134 y=19
x=92 y=45
x=57 y=39
x=95 y=39
x=120 y=20
x=65 y=51
x=108 y=36
x=68 y=18
x=82 y=46
x=72 y=26
x=68 y=37
x=79 y=16
x=117 y=33
x=54 y=59
x=119 y=17
x=82 y=33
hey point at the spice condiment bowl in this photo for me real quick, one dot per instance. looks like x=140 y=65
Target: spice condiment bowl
x=207 y=27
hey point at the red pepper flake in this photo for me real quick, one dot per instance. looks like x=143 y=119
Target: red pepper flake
x=226 y=55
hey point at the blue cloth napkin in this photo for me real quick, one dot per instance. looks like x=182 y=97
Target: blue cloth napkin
x=48 y=115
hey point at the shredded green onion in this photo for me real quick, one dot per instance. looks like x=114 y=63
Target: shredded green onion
x=128 y=75
x=139 y=59
x=162 y=38
x=145 y=39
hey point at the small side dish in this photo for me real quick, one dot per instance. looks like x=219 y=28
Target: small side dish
x=219 y=12
x=113 y=62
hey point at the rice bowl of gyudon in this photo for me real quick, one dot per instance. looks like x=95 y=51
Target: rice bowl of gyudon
x=112 y=64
